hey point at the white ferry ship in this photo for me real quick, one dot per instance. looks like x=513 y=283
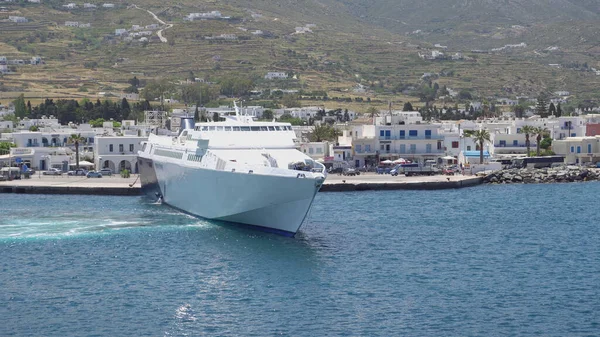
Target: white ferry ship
x=237 y=170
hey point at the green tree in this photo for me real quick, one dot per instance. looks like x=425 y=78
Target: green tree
x=196 y=114
x=552 y=109
x=407 y=107
x=158 y=89
x=542 y=106
x=216 y=117
x=546 y=143
x=558 y=110
x=34 y=128
x=20 y=106
x=539 y=132
x=480 y=136
x=76 y=139
x=372 y=111
x=528 y=130
x=267 y=114
x=322 y=133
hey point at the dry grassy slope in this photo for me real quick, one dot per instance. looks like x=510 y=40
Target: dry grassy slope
x=340 y=51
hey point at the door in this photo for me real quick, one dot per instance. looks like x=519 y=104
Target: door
x=42 y=165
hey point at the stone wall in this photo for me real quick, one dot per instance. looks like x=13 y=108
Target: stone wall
x=561 y=174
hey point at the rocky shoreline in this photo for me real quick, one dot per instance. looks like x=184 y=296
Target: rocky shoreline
x=561 y=174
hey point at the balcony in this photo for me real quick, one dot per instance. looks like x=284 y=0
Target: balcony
x=513 y=145
x=402 y=153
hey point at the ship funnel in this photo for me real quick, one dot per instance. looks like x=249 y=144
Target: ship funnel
x=186 y=123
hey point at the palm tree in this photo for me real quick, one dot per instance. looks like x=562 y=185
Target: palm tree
x=480 y=136
x=528 y=130
x=539 y=131
x=76 y=139
x=323 y=132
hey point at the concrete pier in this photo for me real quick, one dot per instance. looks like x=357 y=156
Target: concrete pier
x=115 y=185
x=378 y=182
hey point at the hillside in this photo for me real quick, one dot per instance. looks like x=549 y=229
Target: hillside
x=331 y=45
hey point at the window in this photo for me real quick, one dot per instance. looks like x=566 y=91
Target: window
x=402 y=148
x=271 y=128
x=515 y=143
x=589 y=148
x=310 y=150
x=264 y=128
x=120 y=147
x=413 y=133
x=572 y=149
x=469 y=148
x=455 y=145
x=428 y=148
x=255 y=128
x=428 y=134
x=219 y=128
x=413 y=148
x=381 y=147
x=204 y=128
x=211 y=128
x=381 y=133
x=130 y=147
x=502 y=143
x=439 y=145
x=573 y=135
x=236 y=128
x=367 y=148
x=110 y=148
x=245 y=128
x=319 y=150
x=578 y=149
x=228 y=128
x=358 y=148
x=402 y=134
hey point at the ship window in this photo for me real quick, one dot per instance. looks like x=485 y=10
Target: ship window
x=205 y=128
x=255 y=128
x=289 y=128
x=278 y=128
x=271 y=128
x=211 y=128
x=236 y=128
x=219 y=128
x=245 y=128
x=228 y=128
x=264 y=128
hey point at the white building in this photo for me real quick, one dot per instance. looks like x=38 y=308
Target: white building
x=108 y=6
x=71 y=23
x=416 y=142
x=17 y=19
x=578 y=150
x=71 y=5
x=276 y=75
x=89 y=5
x=120 y=31
x=39 y=158
x=117 y=153
x=315 y=150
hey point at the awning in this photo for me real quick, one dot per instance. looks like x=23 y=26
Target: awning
x=83 y=163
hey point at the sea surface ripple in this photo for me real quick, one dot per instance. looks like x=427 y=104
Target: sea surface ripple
x=484 y=261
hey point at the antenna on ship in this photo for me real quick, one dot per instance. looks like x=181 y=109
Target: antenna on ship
x=237 y=110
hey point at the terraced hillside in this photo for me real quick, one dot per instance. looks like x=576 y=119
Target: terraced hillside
x=323 y=42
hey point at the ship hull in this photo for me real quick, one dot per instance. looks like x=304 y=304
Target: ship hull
x=271 y=203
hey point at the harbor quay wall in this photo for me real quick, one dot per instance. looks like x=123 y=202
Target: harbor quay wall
x=131 y=187
x=389 y=186
x=81 y=190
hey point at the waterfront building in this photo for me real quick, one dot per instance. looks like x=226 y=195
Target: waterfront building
x=117 y=153
x=416 y=142
x=315 y=150
x=578 y=150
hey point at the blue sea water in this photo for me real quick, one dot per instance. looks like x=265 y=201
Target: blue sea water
x=484 y=261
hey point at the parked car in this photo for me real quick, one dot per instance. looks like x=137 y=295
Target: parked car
x=94 y=174
x=52 y=172
x=350 y=172
x=337 y=170
x=80 y=172
x=106 y=172
x=29 y=171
